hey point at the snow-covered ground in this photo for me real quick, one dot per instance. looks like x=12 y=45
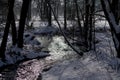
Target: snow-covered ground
x=99 y=65
x=64 y=63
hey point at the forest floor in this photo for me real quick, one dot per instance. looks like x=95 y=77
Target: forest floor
x=94 y=65
x=64 y=64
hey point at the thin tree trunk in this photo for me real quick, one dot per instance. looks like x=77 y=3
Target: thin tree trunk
x=65 y=18
x=49 y=15
x=14 y=30
x=79 y=23
x=28 y=19
x=92 y=9
x=86 y=22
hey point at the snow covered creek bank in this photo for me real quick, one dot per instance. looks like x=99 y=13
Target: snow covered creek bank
x=94 y=65
x=32 y=69
x=65 y=64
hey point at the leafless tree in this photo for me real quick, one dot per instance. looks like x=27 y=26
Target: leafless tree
x=112 y=19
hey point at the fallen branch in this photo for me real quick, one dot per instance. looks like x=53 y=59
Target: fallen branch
x=79 y=53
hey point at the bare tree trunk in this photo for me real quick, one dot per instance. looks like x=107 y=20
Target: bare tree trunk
x=79 y=23
x=91 y=24
x=115 y=29
x=14 y=30
x=65 y=18
x=28 y=19
x=86 y=22
x=6 y=31
x=115 y=9
x=23 y=16
x=49 y=15
x=39 y=6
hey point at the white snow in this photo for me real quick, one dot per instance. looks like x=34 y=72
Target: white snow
x=99 y=65
x=15 y=54
x=77 y=69
x=59 y=49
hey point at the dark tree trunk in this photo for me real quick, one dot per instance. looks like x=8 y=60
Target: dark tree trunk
x=65 y=22
x=39 y=6
x=92 y=9
x=14 y=30
x=45 y=10
x=23 y=16
x=115 y=29
x=49 y=15
x=28 y=19
x=115 y=9
x=86 y=22
x=6 y=31
x=79 y=23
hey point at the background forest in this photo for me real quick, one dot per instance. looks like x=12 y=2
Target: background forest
x=59 y=39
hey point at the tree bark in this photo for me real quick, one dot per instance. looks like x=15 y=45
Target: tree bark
x=78 y=17
x=14 y=30
x=115 y=9
x=115 y=29
x=92 y=9
x=49 y=15
x=86 y=22
x=6 y=31
x=65 y=18
x=23 y=16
